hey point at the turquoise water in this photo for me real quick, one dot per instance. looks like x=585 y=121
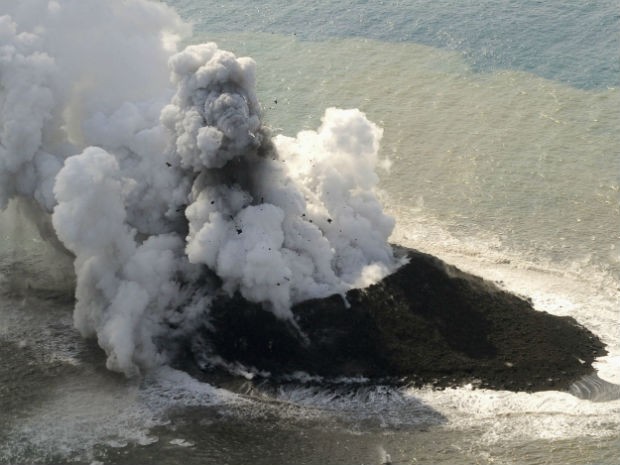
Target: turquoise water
x=576 y=42
x=501 y=127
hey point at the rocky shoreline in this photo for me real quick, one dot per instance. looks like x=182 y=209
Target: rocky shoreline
x=427 y=323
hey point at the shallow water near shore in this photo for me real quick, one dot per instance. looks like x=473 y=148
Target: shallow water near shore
x=74 y=410
x=505 y=161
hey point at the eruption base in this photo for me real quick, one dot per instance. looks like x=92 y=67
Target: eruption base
x=427 y=323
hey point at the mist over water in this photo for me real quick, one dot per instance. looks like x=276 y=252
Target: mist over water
x=494 y=147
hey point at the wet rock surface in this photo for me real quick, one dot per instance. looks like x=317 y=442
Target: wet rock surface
x=427 y=323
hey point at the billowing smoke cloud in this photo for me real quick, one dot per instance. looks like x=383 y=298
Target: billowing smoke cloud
x=164 y=205
x=65 y=62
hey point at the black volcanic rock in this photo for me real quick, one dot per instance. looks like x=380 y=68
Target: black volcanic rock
x=427 y=323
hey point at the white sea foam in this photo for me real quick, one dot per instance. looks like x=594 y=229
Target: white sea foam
x=577 y=289
x=89 y=410
x=580 y=290
x=507 y=416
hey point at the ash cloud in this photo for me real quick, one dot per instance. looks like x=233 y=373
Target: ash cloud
x=162 y=180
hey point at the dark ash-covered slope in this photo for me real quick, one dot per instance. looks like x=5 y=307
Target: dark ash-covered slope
x=428 y=323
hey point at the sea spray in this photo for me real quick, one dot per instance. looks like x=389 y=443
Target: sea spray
x=165 y=206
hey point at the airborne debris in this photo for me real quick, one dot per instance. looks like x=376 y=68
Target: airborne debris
x=105 y=189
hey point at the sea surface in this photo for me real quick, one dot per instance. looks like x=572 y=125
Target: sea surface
x=501 y=153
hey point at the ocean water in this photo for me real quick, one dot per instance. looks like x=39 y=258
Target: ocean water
x=501 y=152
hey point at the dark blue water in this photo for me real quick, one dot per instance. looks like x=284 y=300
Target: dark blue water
x=576 y=42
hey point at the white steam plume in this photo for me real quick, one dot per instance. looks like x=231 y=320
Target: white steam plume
x=154 y=200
